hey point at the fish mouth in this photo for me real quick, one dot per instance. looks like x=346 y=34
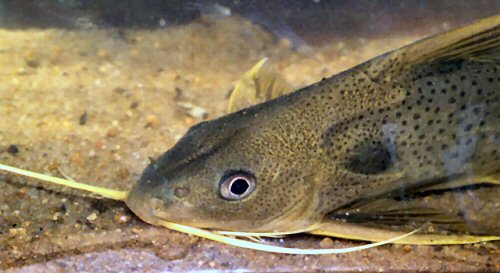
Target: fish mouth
x=183 y=215
x=138 y=204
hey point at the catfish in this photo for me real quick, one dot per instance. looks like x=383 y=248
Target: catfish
x=420 y=118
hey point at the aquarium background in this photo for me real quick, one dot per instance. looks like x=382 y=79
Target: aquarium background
x=92 y=89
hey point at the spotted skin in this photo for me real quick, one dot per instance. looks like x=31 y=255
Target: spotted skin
x=407 y=118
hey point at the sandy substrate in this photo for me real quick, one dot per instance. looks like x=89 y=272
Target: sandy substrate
x=97 y=103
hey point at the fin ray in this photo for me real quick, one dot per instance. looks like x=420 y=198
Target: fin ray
x=356 y=232
x=257 y=85
x=478 y=41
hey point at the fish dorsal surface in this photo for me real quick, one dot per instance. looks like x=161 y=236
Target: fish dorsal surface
x=444 y=133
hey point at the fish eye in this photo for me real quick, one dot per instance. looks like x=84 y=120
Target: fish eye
x=237 y=186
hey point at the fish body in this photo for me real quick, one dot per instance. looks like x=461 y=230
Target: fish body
x=416 y=117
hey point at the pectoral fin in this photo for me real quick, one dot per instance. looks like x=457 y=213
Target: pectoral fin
x=258 y=85
x=388 y=211
x=350 y=231
x=372 y=218
x=493 y=179
x=401 y=190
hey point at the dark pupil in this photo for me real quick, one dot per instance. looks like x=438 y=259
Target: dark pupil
x=239 y=186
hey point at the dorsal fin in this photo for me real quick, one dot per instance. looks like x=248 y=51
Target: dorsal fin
x=258 y=85
x=479 y=41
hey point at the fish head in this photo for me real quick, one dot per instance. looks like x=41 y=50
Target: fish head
x=227 y=174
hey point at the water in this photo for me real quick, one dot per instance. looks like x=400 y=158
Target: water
x=95 y=88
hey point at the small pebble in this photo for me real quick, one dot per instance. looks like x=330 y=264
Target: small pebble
x=178 y=93
x=326 y=243
x=189 y=121
x=134 y=53
x=13 y=149
x=31 y=59
x=22 y=192
x=53 y=165
x=56 y=216
x=98 y=205
x=98 y=144
x=21 y=71
x=136 y=229
x=198 y=112
x=152 y=121
x=119 y=90
x=193 y=110
x=83 y=119
x=123 y=173
x=103 y=53
x=17 y=232
x=438 y=248
x=92 y=217
x=62 y=208
x=112 y=132
x=134 y=105
x=122 y=218
x=285 y=43
x=76 y=158
x=407 y=248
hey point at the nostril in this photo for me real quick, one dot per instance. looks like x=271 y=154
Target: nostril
x=181 y=192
